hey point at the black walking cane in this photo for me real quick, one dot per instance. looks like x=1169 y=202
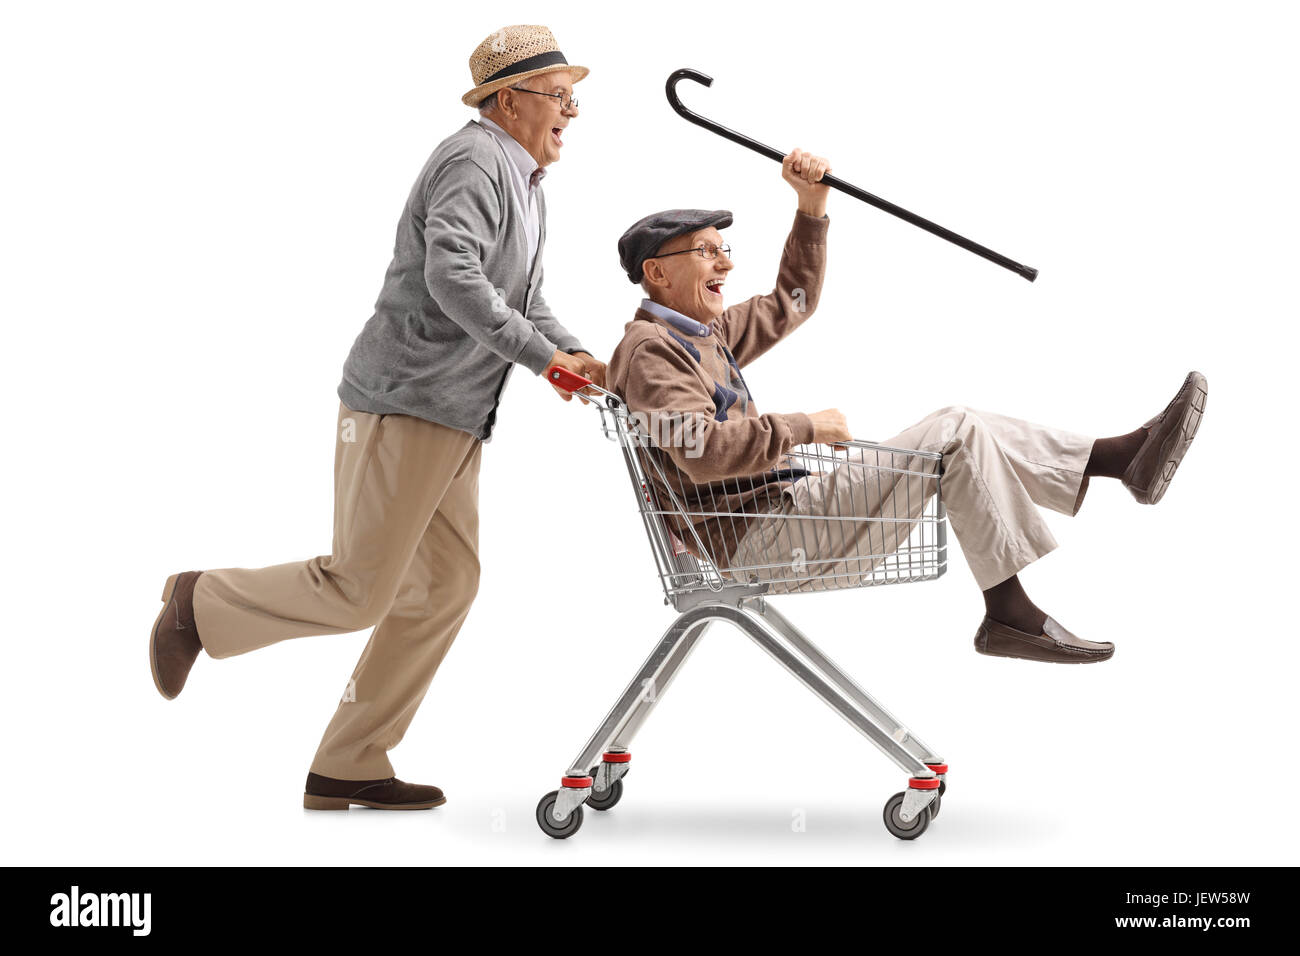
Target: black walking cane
x=1028 y=272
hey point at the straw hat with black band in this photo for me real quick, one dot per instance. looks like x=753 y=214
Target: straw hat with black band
x=511 y=55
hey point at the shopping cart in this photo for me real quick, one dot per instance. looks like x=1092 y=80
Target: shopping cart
x=856 y=514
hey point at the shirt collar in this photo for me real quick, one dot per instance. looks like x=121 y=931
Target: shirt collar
x=519 y=157
x=682 y=323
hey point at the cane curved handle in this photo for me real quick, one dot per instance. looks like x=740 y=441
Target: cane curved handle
x=685 y=73
x=691 y=116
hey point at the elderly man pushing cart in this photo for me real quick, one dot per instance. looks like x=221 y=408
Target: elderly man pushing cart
x=460 y=307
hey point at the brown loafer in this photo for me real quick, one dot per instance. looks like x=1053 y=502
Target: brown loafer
x=1152 y=468
x=327 y=793
x=1055 y=645
x=174 y=642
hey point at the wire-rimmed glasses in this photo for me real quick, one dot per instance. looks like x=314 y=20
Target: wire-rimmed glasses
x=706 y=250
x=566 y=102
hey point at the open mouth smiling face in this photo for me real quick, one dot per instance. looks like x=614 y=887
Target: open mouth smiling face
x=546 y=117
x=695 y=284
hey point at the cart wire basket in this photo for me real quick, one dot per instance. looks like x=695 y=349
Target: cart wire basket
x=856 y=514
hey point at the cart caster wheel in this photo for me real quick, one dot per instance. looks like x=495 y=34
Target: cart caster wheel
x=552 y=827
x=606 y=800
x=904 y=831
x=943 y=785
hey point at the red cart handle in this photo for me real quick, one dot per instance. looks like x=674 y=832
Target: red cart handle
x=563 y=378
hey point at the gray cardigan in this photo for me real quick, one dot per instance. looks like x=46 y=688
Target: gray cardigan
x=459 y=307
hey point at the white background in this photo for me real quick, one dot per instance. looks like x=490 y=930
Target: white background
x=198 y=205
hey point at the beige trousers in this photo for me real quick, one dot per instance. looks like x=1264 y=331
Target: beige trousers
x=405 y=557
x=996 y=472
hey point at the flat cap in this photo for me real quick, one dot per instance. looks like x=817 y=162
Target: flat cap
x=646 y=236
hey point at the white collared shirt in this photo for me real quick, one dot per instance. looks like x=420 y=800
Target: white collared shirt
x=683 y=323
x=525 y=176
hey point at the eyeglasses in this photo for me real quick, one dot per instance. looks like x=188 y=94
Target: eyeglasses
x=566 y=103
x=706 y=251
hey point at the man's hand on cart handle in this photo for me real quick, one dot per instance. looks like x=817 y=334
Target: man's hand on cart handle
x=830 y=427
x=580 y=369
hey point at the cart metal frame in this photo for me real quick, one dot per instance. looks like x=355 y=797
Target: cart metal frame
x=703 y=596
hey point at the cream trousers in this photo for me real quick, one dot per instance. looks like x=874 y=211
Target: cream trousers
x=997 y=472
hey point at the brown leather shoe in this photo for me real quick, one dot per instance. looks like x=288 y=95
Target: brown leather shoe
x=1172 y=431
x=174 y=642
x=327 y=793
x=1055 y=645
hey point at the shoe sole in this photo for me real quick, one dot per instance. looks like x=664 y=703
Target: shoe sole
x=1091 y=659
x=1180 y=441
x=169 y=590
x=1039 y=660
x=311 y=801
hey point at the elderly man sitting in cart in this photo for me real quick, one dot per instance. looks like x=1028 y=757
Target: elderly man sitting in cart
x=753 y=511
